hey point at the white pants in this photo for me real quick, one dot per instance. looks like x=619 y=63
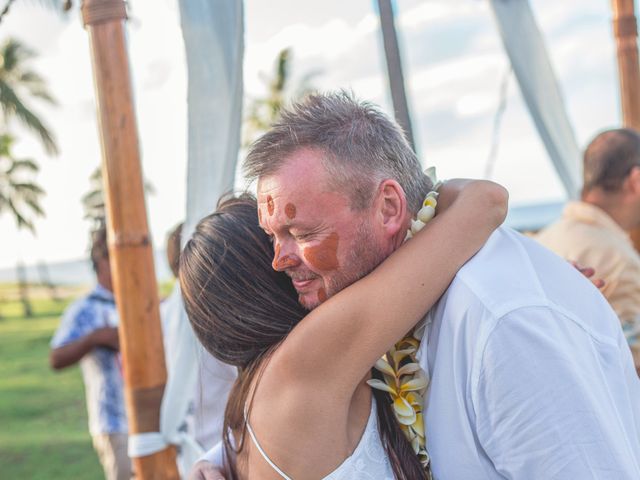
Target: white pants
x=112 y=452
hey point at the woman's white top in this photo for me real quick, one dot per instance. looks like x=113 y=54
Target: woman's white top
x=368 y=461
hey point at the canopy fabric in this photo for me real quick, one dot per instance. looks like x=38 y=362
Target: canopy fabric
x=526 y=50
x=213 y=37
x=214 y=42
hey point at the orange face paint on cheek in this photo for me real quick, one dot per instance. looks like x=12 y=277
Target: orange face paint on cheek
x=290 y=211
x=322 y=295
x=270 y=205
x=324 y=256
x=259 y=215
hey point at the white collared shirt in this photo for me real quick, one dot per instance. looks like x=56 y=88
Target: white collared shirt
x=531 y=376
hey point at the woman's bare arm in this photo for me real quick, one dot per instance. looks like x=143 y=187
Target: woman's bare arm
x=342 y=338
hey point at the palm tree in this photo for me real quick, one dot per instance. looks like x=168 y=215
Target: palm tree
x=17 y=82
x=93 y=200
x=262 y=112
x=18 y=193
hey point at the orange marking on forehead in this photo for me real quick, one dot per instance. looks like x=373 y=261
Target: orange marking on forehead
x=270 y=205
x=290 y=211
x=324 y=256
x=322 y=295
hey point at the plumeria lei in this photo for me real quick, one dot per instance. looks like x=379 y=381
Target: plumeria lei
x=404 y=379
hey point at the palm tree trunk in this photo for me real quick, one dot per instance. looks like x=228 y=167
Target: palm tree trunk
x=23 y=289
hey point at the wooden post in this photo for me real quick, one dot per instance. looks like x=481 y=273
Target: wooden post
x=626 y=32
x=625 y=29
x=129 y=245
x=394 y=69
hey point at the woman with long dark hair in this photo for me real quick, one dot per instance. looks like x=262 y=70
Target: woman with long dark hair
x=305 y=372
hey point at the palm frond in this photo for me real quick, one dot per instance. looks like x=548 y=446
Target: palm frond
x=24 y=187
x=23 y=165
x=35 y=207
x=14 y=53
x=96 y=175
x=93 y=198
x=36 y=86
x=12 y=105
x=21 y=220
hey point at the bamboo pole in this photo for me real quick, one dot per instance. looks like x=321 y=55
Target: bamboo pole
x=394 y=69
x=129 y=245
x=625 y=29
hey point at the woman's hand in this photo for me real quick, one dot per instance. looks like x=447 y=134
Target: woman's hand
x=204 y=470
x=590 y=272
x=492 y=197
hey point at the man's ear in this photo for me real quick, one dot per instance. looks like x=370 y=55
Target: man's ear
x=633 y=180
x=391 y=206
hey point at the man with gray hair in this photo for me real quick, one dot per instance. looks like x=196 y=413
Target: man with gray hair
x=595 y=230
x=530 y=374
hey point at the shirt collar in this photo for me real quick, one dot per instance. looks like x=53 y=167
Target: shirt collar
x=588 y=213
x=102 y=293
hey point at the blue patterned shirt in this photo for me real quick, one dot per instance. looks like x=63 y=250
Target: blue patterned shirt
x=101 y=367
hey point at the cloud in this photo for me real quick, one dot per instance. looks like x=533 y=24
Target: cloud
x=454 y=63
x=437 y=12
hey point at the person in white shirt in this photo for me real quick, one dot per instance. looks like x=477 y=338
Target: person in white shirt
x=530 y=374
x=214 y=380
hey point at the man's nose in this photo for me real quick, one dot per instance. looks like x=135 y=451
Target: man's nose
x=284 y=258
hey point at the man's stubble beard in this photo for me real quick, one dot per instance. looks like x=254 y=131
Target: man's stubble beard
x=366 y=254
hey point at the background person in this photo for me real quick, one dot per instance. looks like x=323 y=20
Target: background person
x=209 y=398
x=88 y=334
x=595 y=230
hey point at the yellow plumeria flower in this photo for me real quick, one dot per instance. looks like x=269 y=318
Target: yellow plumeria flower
x=403 y=377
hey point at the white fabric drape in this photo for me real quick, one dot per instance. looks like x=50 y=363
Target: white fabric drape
x=526 y=50
x=213 y=36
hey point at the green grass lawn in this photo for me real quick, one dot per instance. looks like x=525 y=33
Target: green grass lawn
x=43 y=418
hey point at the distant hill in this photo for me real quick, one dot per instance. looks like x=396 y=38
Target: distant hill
x=75 y=272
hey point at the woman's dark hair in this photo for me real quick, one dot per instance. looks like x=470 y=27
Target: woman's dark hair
x=241 y=310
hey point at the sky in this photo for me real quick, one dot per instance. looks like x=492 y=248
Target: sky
x=453 y=64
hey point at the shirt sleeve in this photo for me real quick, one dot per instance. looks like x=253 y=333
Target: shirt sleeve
x=553 y=401
x=214 y=456
x=79 y=320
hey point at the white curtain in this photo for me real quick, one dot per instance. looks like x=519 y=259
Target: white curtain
x=213 y=37
x=526 y=50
